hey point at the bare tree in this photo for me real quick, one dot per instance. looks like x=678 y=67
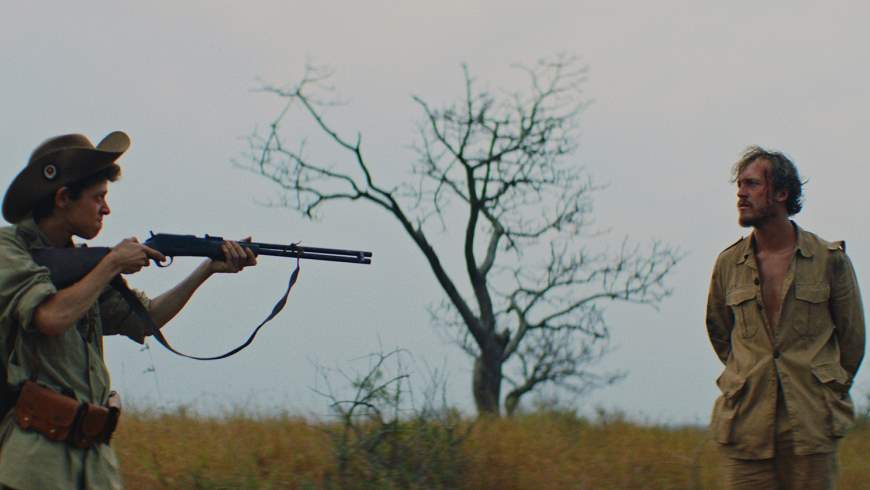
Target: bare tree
x=534 y=313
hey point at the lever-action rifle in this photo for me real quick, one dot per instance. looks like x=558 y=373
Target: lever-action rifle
x=67 y=265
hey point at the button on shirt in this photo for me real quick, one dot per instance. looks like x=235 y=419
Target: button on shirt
x=71 y=363
x=812 y=355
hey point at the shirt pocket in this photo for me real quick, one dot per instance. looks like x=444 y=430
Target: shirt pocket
x=727 y=405
x=744 y=306
x=812 y=316
x=835 y=385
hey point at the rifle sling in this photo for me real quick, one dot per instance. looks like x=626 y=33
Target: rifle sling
x=139 y=309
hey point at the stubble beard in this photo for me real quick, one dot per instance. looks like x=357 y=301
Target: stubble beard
x=762 y=216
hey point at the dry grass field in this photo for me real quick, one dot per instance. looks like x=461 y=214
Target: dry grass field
x=543 y=450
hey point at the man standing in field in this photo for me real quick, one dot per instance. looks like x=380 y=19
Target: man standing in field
x=58 y=410
x=784 y=315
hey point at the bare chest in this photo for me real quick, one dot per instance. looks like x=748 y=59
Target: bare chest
x=773 y=269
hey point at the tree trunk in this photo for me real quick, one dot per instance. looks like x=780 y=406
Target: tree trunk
x=487 y=384
x=511 y=402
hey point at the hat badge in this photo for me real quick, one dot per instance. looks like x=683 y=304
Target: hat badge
x=49 y=171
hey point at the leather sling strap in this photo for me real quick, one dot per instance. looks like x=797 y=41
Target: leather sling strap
x=139 y=309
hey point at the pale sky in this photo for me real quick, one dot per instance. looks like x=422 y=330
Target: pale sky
x=679 y=89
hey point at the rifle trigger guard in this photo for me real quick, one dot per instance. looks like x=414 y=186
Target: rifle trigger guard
x=162 y=264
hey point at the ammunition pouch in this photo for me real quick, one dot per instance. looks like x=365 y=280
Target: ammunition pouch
x=64 y=419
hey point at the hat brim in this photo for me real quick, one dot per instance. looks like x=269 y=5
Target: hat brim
x=71 y=165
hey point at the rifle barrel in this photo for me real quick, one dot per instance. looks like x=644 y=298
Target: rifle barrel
x=315 y=253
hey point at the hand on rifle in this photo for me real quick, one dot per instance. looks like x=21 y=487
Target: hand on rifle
x=236 y=258
x=131 y=256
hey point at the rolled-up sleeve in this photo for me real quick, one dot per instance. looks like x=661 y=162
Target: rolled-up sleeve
x=118 y=316
x=24 y=285
x=847 y=312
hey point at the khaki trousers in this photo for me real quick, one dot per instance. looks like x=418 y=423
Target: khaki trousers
x=786 y=470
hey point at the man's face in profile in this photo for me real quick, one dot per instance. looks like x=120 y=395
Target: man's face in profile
x=755 y=203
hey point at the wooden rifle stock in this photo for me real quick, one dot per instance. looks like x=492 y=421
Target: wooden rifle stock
x=67 y=265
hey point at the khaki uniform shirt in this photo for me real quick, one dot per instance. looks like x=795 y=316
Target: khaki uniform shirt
x=71 y=363
x=812 y=355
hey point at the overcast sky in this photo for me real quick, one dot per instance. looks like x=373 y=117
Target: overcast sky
x=678 y=90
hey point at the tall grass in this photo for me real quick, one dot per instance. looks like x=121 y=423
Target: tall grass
x=540 y=450
x=181 y=450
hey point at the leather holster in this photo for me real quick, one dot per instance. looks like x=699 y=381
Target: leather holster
x=45 y=411
x=62 y=418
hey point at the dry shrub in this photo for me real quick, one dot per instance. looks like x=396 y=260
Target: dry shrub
x=382 y=439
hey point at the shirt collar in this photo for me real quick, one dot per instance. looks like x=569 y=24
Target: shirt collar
x=29 y=230
x=745 y=249
x=803 y=244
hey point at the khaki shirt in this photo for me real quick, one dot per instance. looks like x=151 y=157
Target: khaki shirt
x=71 y=363
x=813 y=354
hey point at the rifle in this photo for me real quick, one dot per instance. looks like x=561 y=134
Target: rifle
x=67 y=265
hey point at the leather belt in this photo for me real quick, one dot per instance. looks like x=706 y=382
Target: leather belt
x=64 y=419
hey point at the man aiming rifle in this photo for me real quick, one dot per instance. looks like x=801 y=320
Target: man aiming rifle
x=59 y=412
